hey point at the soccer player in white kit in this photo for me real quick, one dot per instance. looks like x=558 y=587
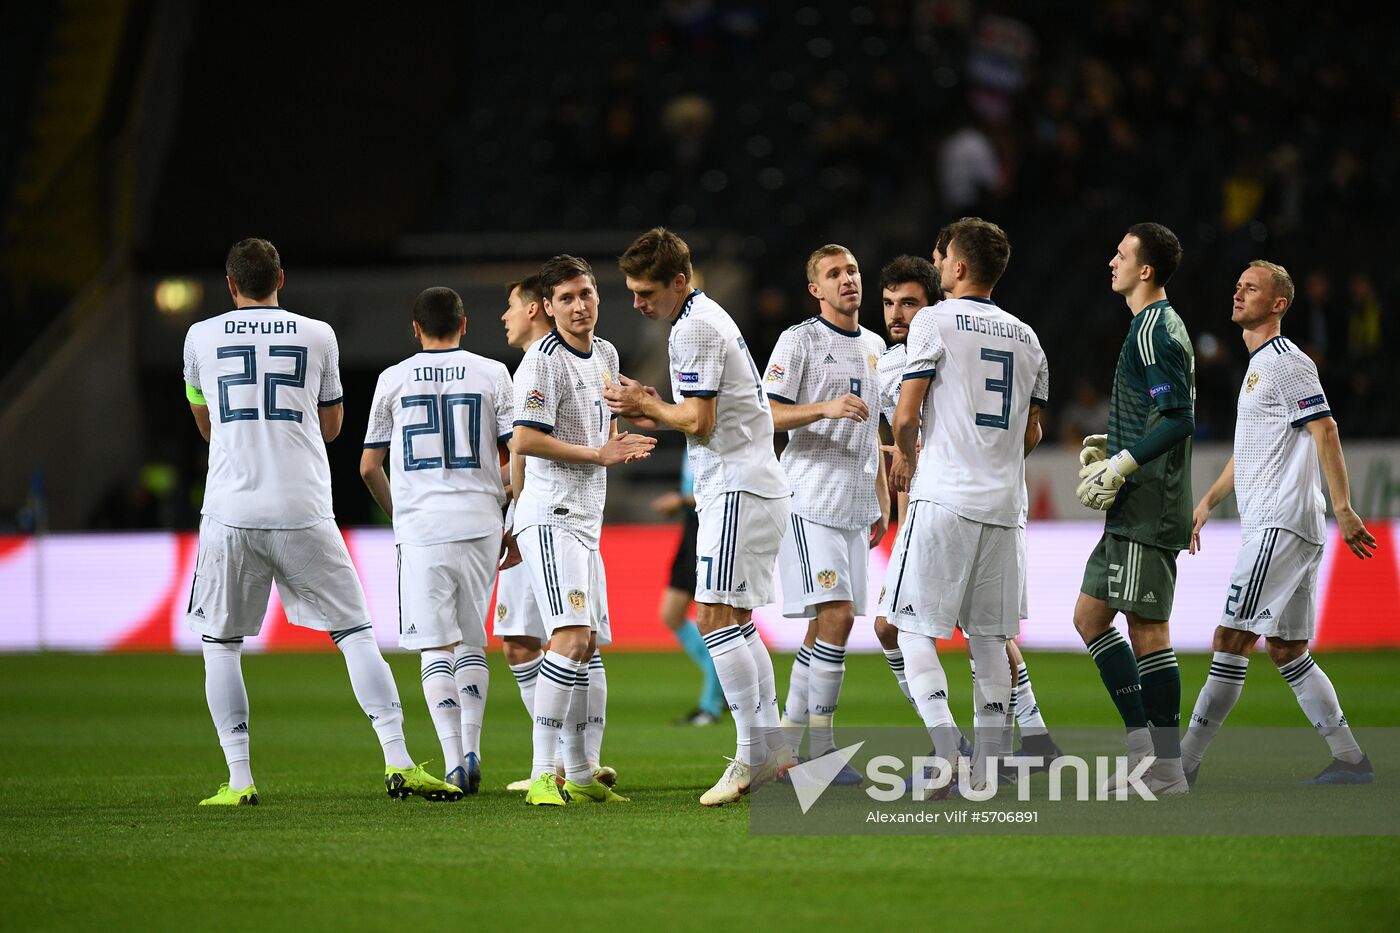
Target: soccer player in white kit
x=821 y=380
x=975 y=380
x=442 y=418
x=264 y=387
x=741 y=493
x=1285 y=427
x=907 y=285
x=518 y=623
x=564 y=430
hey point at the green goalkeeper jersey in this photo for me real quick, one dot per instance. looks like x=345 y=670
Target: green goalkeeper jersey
x=1156 y=373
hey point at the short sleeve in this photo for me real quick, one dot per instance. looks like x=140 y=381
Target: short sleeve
x=536 y=396
x=698 y=355
x=331 y=392
x=783 y=379
x=1300 y=389
x=1040 y=394
x=925 y=348
x=381 y=415
x=193 y=385
x=1168 y=370
x=505 y=405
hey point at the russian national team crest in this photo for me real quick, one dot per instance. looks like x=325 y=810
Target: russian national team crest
x=577 y=600
x=500 y=611
x=882 y=595
x=1251 y=382
x=826 y=579
x=874 y=362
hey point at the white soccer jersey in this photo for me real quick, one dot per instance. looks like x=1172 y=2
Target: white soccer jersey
x=441 y=413
x=1277 y=478
x=815 y=361
x=264 y=373
x=986 y=370
x=890 y=372
x=559 y=390
x=710 y=358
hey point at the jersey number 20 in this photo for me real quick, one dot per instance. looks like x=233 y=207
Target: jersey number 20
x=442 y=417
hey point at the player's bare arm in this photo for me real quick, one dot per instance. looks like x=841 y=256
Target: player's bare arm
x=621 y=448
x=906 y=432
x=1334 y=467
x=1224 y=485
x=882 y=495
x=788 y=415
x=201 y=420
x=630 y=399
x=332 y=418
x=1034 y=430
x=372 y=472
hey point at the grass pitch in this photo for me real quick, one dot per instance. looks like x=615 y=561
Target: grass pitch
x=104 y=759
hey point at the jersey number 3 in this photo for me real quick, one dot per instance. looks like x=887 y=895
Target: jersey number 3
x=1001 y=386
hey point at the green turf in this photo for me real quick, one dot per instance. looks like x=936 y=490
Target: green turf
x=105 y=757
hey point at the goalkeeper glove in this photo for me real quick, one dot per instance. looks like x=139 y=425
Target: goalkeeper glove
x=1102 y=479
x=1095 y=448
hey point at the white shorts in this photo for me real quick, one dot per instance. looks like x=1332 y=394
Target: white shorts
x=948 y=571
x=567 y=579
x=236 y=567
x=516 y=612
x=820 y=564
x=735 y=548
x=444 y=590
x=1273 y=588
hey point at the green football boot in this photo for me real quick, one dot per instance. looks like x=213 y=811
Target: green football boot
x=228 y=797
x=545 y=792
x=401 y=783
x=596 y=791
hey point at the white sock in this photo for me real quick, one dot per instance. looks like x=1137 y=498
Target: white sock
x=1222 y=688
x=374 y=687
x=553 y=694
x=1008 y=727
x=597 y=710
x=767 y=683
x=895 y=658
x=228 y=706
x=1318 y=698
x=994 y=685
x=928 y=685
x=1027 y=710
x=576 y=766
x=735 y=667
x=525 y=676
x=473 y=679
x=795 y=709
x=440 y=690
x=828 y=670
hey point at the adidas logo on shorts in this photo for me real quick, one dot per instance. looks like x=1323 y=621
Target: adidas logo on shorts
x=1151 y=597
x=199 y=612
x=908 y=610
x=743 y=587
x=412 y=630
x=1266 y=614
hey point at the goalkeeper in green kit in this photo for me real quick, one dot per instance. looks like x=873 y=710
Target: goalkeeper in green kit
x=1140 y=473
